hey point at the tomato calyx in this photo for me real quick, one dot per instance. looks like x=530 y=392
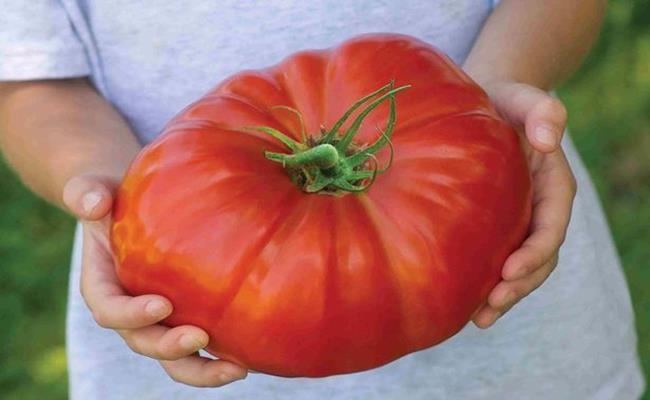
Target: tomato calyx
x=331 y=163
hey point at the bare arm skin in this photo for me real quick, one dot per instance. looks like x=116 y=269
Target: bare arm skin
x=535 y=42
x=51 y=131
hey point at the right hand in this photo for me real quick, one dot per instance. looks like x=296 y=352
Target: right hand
x=135 y=319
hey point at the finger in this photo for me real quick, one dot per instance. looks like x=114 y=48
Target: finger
x=545 y=123
x=162 y=343
x=125 y=312
x=506 y=294
x=542 y=116
x=89 y=197
x=111 y=306
x=485 y=317
x=203 y=372
x=554 y=190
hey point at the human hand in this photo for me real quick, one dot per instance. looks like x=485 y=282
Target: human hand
x=90 y=199
x=542 y=119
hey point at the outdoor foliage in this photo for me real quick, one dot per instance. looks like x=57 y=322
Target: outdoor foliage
x=609 y=108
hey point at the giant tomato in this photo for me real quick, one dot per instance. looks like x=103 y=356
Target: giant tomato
x=310 y=267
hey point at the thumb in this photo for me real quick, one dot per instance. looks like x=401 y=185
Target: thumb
x=542 y=116
x=89 y=197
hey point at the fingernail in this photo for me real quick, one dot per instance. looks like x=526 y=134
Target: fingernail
x=90 y=200
x=513 y=273
x=508 y=299
x=546 y=135
x=490 y=321
x=191 y=343
x=227 y=378
x=156 y=309
x=517 y=273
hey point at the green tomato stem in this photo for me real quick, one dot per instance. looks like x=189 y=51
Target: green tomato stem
x=324 y=156
x=331 y=163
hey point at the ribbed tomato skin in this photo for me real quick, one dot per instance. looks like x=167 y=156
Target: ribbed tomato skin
x=297 y=284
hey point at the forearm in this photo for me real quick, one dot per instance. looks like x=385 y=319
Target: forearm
x=535 y=42
x=51 y=131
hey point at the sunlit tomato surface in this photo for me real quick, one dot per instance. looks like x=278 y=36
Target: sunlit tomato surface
x=312 y=284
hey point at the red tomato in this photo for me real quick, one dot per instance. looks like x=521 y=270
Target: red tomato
x=293 y=283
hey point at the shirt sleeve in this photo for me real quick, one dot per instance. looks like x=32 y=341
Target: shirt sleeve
x=38 y=41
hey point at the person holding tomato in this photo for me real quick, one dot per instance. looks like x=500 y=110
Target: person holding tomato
x=85 y=83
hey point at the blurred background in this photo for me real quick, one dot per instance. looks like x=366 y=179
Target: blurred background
x=609 y=116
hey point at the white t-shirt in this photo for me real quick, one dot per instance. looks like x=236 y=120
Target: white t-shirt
x=573 y=338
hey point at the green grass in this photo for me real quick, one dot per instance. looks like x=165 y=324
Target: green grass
x=609 y=107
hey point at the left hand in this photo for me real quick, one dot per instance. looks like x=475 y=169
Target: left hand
x=135 y=318
x=542 y=119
